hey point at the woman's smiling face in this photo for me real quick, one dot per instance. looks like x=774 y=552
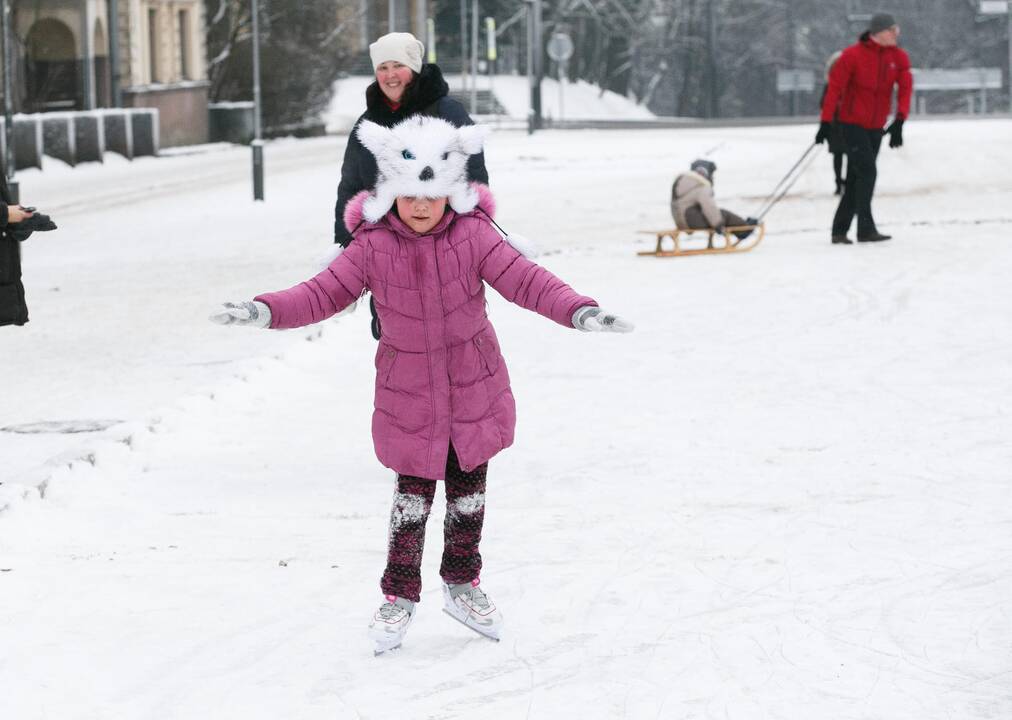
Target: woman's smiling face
x=421 y=214
x=393 y=79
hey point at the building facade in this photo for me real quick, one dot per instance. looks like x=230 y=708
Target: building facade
x=67 y=60
x=163 y=65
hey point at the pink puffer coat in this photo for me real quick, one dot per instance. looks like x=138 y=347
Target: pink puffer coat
x=440 y=377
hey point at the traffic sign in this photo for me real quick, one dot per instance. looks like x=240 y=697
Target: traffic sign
x=560 y=47
x=795 y=81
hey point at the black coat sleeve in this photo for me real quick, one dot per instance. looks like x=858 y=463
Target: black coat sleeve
x=450 y=109
x=358 y=172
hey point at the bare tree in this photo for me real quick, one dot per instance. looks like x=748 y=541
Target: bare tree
x=302 y=51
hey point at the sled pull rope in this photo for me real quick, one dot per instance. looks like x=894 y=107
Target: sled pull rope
x=781 y=190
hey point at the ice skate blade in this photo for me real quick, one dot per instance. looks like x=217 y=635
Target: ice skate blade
x=490 y=636
x=382 y=648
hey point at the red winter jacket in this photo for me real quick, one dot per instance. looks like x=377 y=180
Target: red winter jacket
x=861 y=85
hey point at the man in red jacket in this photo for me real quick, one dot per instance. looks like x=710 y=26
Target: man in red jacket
x=860 y=93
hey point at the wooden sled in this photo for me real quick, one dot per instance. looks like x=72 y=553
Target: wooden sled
x=731 y=244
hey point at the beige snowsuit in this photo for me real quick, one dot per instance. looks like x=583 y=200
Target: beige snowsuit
x=690 y=190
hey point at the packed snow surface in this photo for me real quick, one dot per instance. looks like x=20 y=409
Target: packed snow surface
x=785 y=495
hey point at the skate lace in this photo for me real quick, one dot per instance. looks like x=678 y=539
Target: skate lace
x=478 y=597
x=389 y=610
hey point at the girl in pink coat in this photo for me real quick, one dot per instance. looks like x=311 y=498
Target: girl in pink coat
x=425 y=245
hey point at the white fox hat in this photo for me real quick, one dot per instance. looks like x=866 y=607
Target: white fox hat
x=421 y=157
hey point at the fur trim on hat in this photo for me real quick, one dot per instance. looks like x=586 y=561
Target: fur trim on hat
x=353 y=210
x=354 y=216
x=421 y=157
x=486 y=201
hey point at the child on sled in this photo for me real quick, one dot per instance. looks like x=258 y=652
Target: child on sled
x=694 y=208
x=425 y=246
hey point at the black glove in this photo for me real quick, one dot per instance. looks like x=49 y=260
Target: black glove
x=719 y=229
x=896 y=133
x=825 y=128
x=752 y=221
x=36 y=223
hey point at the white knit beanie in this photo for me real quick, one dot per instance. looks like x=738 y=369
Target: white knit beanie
x=400 y=47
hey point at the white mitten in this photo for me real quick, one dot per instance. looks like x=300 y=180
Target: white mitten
x=252 y=314
x=594 y=319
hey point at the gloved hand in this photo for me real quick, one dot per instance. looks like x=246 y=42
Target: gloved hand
x=594 y=319
x=36 y=223
x=825 y=128
x=895 y=131
x=719 y=229
x=253 y=314
x=752 y=221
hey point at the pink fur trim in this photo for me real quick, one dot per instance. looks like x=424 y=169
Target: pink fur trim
x=353 y=210
x=486 y=201
x=353 y=214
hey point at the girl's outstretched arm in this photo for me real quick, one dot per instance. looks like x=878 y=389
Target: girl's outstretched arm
x=326 y=294
x=529 y=285
x=316 y=299
x=524 y=282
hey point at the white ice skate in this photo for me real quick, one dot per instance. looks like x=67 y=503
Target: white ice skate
x=390 y=623
x=469 y=604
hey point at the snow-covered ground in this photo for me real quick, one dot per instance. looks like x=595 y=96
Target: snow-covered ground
x=786 y=495
x=574 y=100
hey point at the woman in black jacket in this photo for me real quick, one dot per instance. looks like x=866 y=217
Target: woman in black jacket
x=404 y=87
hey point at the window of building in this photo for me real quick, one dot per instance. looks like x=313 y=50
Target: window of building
x=184 y=45
x=153 y=43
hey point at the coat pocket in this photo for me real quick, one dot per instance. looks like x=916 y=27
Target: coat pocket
x=488 y=351
x=386 y=358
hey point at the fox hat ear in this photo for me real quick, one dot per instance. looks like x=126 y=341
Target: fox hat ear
x=472 y=138
x=375 y=137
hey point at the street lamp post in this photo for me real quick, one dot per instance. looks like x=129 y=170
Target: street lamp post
x=474 y=57
x=115 y=95
x=463 y=44
x=257 y=144
x=9 y=159
x=534 y=69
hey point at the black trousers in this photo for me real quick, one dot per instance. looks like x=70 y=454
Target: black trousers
x=862 y=153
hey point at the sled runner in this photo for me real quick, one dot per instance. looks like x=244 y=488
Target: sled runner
x=731 y=243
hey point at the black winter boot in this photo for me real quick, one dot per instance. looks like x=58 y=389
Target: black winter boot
x=874 y=237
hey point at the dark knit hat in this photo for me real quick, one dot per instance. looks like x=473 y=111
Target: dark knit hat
x=880 y=22
x=706 y=168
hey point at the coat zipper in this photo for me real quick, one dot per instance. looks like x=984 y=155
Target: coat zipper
x=428 y=355
x=878 y=86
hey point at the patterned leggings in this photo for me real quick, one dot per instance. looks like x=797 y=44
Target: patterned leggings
x=465 y=512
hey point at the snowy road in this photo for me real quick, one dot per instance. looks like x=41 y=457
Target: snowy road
x=785 y=496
